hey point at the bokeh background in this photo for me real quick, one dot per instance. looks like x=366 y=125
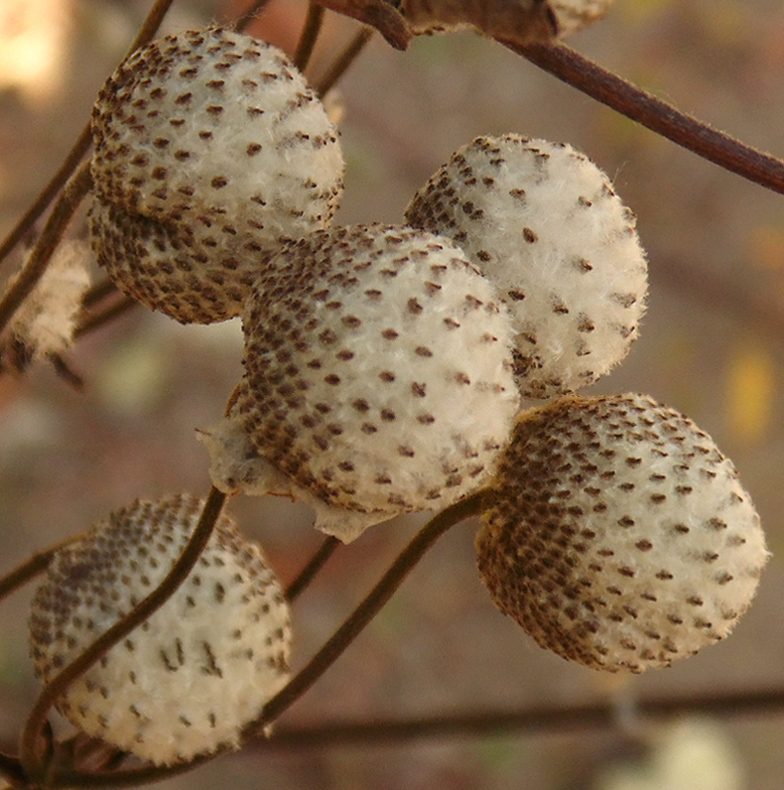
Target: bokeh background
x=712 y=346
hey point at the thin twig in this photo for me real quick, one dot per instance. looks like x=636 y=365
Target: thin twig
x=81 y=145
x=28 y=570
x=242 y=22
x=65 y=207
x=309 y=36
x=97 y=293
x=664 y=119
x=308 y=573
x=89 y=323
x=539 y=720
x=368 y=609
x=318 y=665
x=37 y=719
x=344 y=60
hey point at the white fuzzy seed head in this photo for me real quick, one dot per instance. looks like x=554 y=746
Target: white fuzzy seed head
x=545 y=225
x=201 y=667
x=210 y=150
x=378 y=372
x=620 y=537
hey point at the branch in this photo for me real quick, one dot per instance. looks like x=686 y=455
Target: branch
x=539 y=720
x=658 y=116
x=308 y=573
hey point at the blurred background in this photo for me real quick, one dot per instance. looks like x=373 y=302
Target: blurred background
x=712 y=346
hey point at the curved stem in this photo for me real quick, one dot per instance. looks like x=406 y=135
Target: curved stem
x=81 y=145
x=344 y=60
x=368 y=609
x=308 y=573
x=658 y=116
x=37 y=719
x=310 y=34
x=318 y=665
x=97 y=293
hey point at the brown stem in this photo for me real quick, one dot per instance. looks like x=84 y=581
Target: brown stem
x=543 y=719
x=310 y=34
x=79 y=148
x=97 y=293
x=89 y=323
x=662 y=118
x=344 y=60
x=36 y=721
x=368 y=609
x=318 y=665
x=69 y=200
x=308 y=573
x=37 y=564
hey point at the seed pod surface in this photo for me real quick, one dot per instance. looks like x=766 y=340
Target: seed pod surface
x=545 y=225
x=190 y=677
x=377 y=372
x=620 y=537
x=209 y=150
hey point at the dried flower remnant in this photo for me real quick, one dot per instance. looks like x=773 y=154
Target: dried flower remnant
x=620 y=536
x=210 y=151
x=201 y=667
x=545 y=225
x=45 y=323
x=520 y=21
x=378 y=373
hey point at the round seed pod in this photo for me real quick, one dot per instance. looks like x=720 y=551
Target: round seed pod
x=190 y=677
x=209 y=150
x=545 y=225
x=378 y=373
x=620 y=536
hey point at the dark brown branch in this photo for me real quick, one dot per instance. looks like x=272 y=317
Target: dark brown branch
x=28 y=570
x=310 y=34
x=97 y=293
x=344 y=60
x=658 y=116
x=37 y=719
x=90 y=322
x=368 y=609
x=538 y=720
x=11 y=770
x=308 y=573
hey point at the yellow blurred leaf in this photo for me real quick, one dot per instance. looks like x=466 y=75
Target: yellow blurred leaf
x=766 y=244
x=750 y=388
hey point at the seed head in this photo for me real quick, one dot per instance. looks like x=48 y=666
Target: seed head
x=210 y=150
x=378 y=373
x=545 y=225
x=201 y=667
x=620 y=537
